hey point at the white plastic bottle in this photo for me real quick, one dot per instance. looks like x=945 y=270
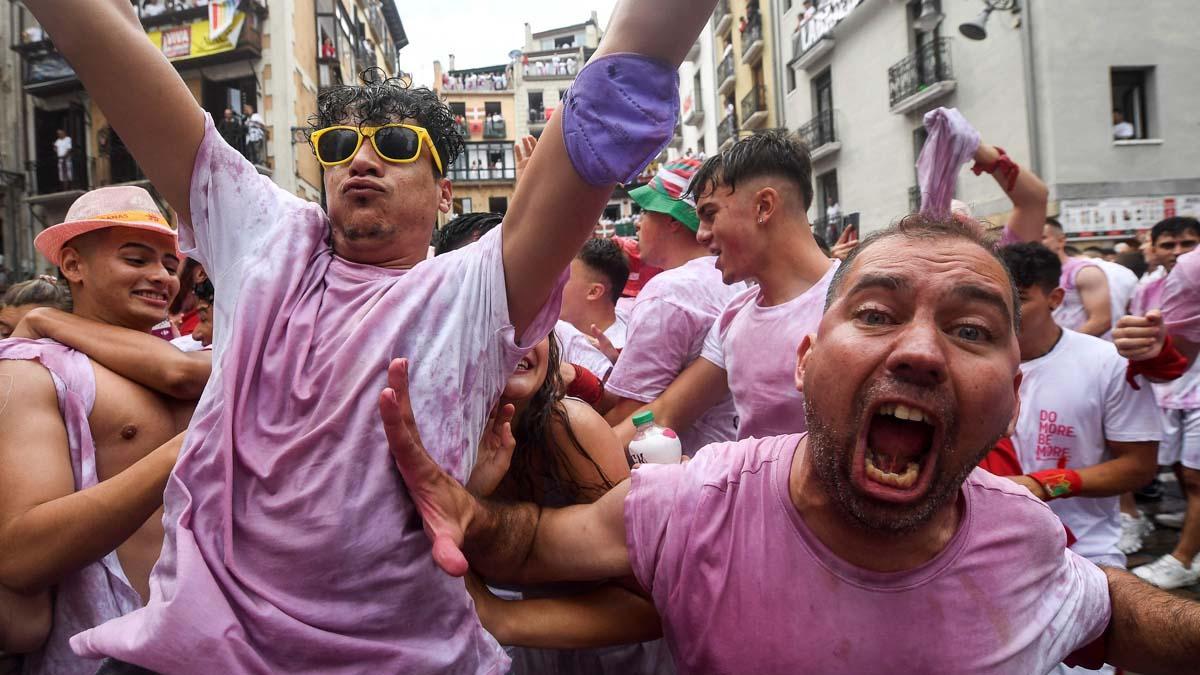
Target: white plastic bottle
x=653 y=444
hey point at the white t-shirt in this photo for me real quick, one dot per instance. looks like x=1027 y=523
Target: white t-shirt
x=1073 y=399
x=577 y=349
x=1123 y=131
x=756 y=347
x=667 y=327
x=1122 y=283
x=62 y=146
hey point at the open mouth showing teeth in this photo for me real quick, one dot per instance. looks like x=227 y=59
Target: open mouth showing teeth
x=898 y=440
x=150 y=295
x=524 y=365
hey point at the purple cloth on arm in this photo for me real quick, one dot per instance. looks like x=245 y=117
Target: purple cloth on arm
x=951 y=143
x=618 y=116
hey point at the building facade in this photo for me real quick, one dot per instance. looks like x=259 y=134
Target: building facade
x=255 y=69
x=1042 y=84
x=484 y=105
x=546 y=67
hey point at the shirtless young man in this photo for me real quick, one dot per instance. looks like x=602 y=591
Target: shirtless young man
x=85 y=452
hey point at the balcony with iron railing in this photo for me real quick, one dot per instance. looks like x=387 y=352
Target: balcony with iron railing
x=482 y=162
x=754 y=108
x=561 y=64
x=539 y=116
x=921 y=77
x=752 y=41
x=495 y=128
x=725 y=74
x=727 y=131
x=722 y=17
x=820 y=135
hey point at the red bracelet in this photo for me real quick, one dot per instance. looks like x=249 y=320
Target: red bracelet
x=586 y=386
x=1058 y=482
x=1170 y=364
x=1008 y=169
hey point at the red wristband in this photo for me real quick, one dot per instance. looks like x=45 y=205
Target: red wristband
x=1058 y=482
x=1170 y=364
x=586 y=386
x=1008 y=169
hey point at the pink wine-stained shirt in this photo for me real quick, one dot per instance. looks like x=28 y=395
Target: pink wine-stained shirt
x=291 y=543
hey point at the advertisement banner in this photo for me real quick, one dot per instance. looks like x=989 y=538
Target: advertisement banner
x=1122 y=216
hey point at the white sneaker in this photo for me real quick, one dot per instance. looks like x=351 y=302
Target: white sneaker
x=1132 y=532
x=1167 y=573
x=1171 y=520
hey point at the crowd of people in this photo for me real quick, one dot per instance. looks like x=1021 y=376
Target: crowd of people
x=261 y=435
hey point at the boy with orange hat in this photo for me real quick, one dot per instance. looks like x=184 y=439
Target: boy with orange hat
x=85 y=451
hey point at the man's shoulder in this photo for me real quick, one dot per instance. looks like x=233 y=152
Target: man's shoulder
x=1091 y=350
x=999 y=504
x=723 y=466
x=741 y=302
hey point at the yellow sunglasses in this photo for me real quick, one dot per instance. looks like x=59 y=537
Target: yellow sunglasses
x=395 y=143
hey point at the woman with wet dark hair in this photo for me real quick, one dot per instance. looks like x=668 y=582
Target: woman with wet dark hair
x=19 y=299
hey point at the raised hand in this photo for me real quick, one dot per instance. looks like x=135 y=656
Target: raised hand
x=522 y=151
x=444 y=505
x=1140 y=337
x=600 y=341
x=846 y=243
x=495 y=453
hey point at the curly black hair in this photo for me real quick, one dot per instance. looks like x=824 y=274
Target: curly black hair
x=381 y=100
x=463 y=230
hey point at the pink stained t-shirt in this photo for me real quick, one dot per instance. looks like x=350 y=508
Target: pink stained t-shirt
x=1181 y=298
x=291 y=543
x=756 y=346
x=743 y=586
x=667 y=327
x=1182 y=393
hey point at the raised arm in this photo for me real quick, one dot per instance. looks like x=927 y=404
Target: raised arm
x=1151 y=631
x=143 y=358
x=1093 y=293
x=1028 y=194
x=518 y=543
x=139 y=91
x=554 y=209
x=47 y=529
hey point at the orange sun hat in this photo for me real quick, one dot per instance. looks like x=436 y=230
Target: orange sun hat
x=120 y=206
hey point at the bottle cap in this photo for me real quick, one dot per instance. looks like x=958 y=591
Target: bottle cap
x=642 y=418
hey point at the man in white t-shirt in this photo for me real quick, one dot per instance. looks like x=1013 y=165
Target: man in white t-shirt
x=1087 y=302
x=1121 y=130
x=290 y=543
x=62 y=150
x=674 y=310
x=1079 y=417
x=598 y=275
x=1084 y=435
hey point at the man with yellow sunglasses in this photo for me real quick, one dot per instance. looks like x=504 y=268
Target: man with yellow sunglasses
x=291 y=544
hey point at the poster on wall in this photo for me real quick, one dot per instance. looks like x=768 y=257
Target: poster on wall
x=1122 y=216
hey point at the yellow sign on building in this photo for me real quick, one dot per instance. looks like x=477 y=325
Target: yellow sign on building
x=192 y=41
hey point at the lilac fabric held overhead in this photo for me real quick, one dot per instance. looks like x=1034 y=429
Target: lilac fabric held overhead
x=618 y=116
x=952 y=141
